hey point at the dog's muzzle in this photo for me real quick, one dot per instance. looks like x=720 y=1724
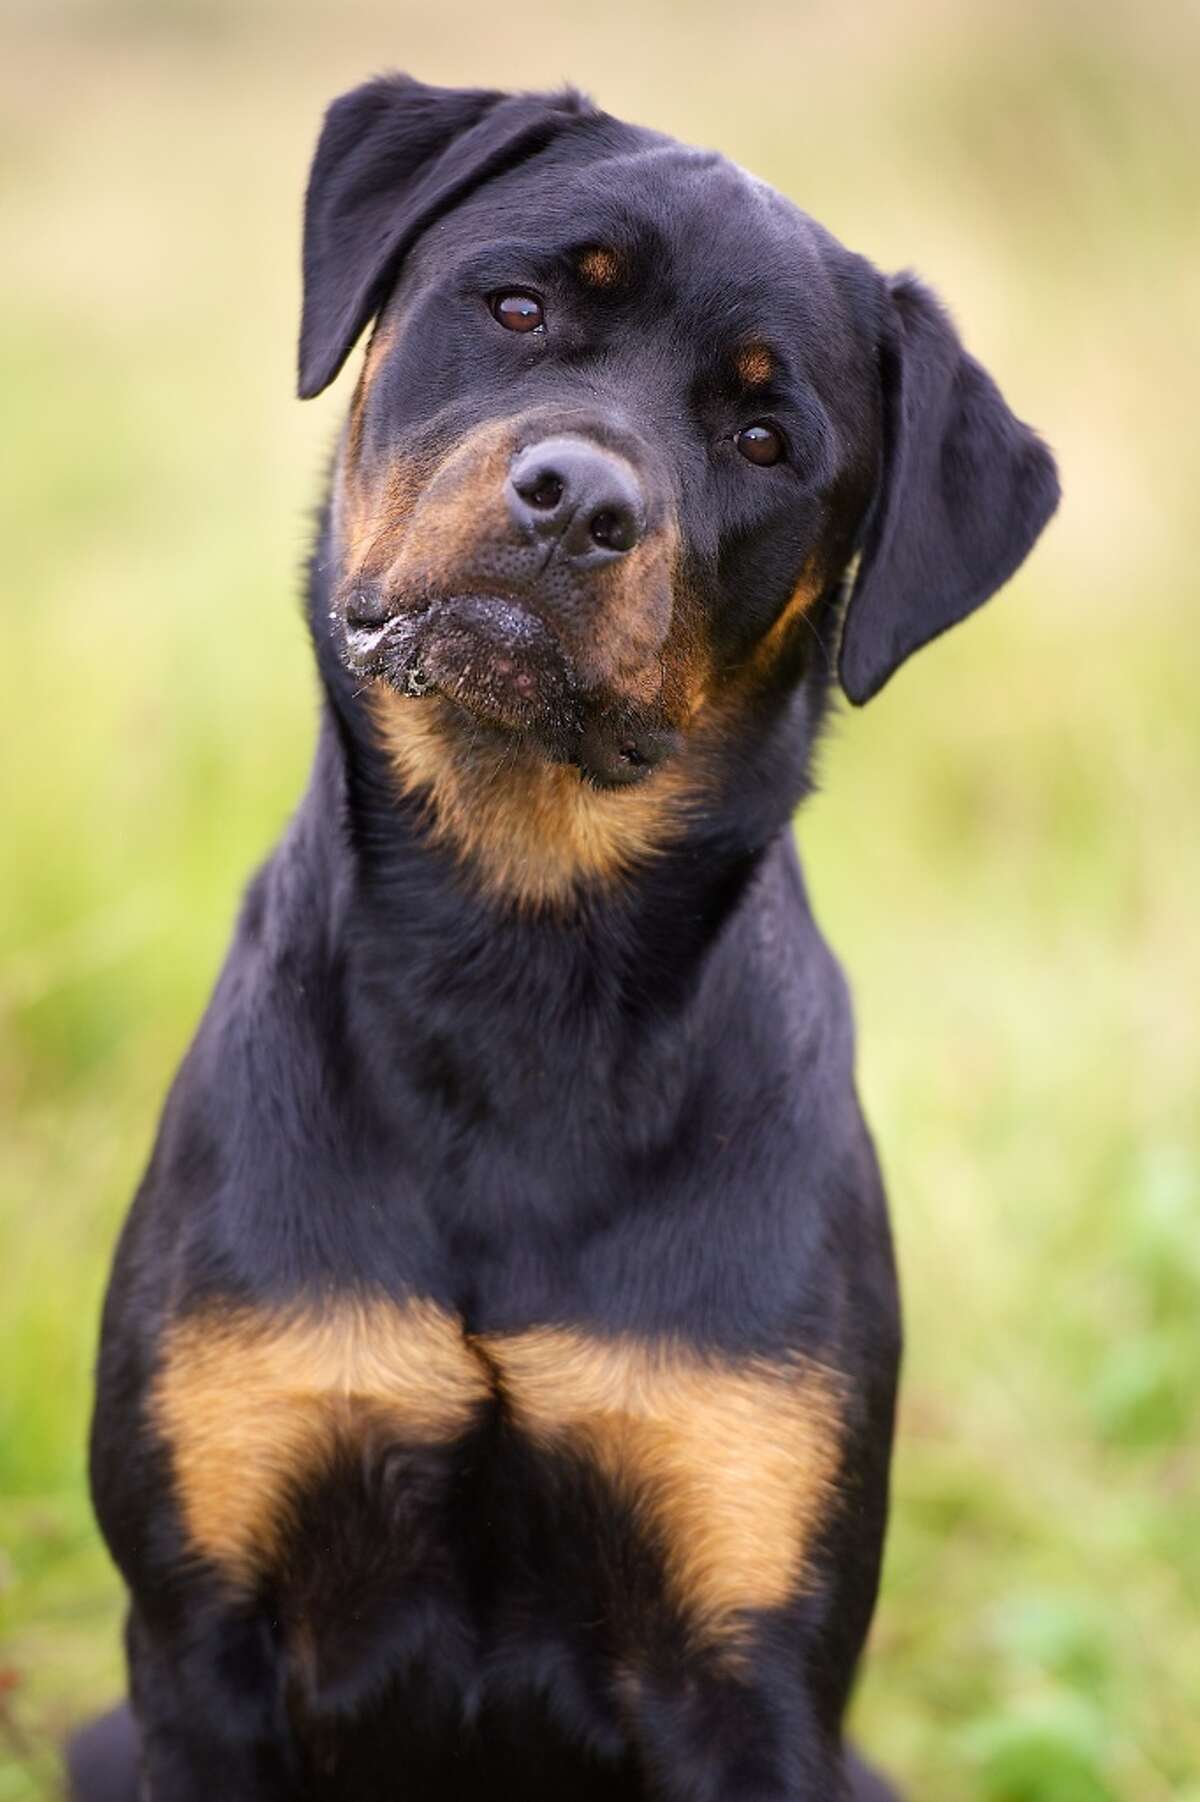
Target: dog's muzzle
x=527 y=586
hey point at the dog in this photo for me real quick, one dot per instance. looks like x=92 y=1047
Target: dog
x=496 y=1382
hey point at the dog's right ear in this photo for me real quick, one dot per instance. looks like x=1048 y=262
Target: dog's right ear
x=965 y=490
x=392 y=156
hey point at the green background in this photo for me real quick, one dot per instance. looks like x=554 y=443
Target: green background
x=1005 y=853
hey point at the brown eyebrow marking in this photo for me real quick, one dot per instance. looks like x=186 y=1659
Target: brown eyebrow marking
x=253 y=1405
x=731 y=1462
x=601 y=267
x=755 y=364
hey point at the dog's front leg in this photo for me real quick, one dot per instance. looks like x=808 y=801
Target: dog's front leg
x=207 y=1698
x=752 y=1737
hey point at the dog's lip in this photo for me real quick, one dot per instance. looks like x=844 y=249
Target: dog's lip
x=368 y=642
x=491 y=652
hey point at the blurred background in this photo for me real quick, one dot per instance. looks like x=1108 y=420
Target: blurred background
x=1006 y=853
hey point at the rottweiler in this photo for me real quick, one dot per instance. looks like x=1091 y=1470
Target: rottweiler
x=496 y=1382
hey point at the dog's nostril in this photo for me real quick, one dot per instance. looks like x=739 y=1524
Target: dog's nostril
x=613 y=528
x=543 y=489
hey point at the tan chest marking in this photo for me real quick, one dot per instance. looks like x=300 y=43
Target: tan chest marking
x=253 y=1407
x=730 y=1465
x=733 y=1465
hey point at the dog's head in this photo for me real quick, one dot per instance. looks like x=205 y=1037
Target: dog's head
x=626 y=420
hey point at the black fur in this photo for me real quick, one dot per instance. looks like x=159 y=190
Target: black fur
x=965 y=494
x=631 y=1116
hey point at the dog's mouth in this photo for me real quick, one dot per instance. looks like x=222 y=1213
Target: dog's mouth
x=493 y=657
x=487 y=652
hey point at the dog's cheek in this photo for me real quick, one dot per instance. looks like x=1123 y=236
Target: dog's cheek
x=775 y=650
x=618 y=630
x=729 y=687
x=442 y=530
x=369 y=487
x=371 y=513
x=686 y=661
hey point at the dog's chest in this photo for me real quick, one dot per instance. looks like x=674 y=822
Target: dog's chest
x=728 y=1464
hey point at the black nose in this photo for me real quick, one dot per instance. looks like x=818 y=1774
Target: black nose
x=585 y=497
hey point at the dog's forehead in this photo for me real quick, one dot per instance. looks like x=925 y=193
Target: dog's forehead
x=711 y=219
x=719 y=242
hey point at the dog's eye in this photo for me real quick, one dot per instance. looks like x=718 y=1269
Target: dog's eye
x=760 y=443
x=518 y=312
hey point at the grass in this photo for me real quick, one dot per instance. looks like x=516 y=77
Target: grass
x=1005 y=853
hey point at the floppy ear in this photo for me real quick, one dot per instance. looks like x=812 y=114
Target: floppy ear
x=965 y=490
x=393 y=155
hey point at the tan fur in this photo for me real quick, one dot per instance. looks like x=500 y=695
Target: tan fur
x=424 y=530
x=771 y=645
x=755 y=364
x=732 y=1463
x=382 y=341
x=370 y=517
x=632 y=619
x=601 y=267
x=536 y=833
x=252 y=1408
x=353 y=503
x=459 y=507
x=532 y=832
x=718 y=702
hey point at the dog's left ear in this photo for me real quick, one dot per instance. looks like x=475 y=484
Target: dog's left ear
x=964 y=492
x=393 y=155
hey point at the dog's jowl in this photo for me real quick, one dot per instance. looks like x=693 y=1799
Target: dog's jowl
x=496 y=1383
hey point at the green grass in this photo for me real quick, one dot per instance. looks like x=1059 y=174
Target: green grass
x=1005 y=853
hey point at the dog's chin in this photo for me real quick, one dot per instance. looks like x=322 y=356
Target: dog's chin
x=502 y=667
